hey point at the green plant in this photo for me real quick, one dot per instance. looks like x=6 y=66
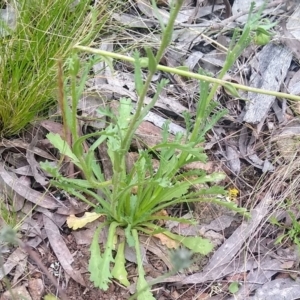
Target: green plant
x=8 y=216
x=291 y=232
x=133 y=199
x=45 y=31
x=233 y=287
x=7 y=236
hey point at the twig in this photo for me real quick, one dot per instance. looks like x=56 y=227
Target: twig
x=191 y=74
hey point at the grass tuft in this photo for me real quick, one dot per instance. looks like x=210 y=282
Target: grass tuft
x=45 y=31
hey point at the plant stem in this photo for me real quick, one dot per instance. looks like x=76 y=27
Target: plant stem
x=127 y=139
x=166 y=38
x=193 y=75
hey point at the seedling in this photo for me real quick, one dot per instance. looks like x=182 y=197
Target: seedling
x=291 y=232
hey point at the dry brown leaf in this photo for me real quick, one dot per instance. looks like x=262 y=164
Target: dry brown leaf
x=18 y=292
x=79 y=222
x=36 y=288
x=18 y=200
x=105 y=161
x=287 y=264
x=85 y=236
x=61 y=251
x=149 y=134
x=161 y=213
x=20 y=144
x=204 y=296
x=157 y=249
x=53 y=127
x=198 y=165
x=13 y=260
x=38 y=174
x=20 y=270
x=10 y=184
x=165 y=240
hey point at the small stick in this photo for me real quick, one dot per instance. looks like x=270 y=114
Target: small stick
x=227 y=8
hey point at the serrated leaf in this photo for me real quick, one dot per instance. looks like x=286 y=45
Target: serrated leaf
x=177 y=190
x=99 y=278
x=196 y=244
x=232 y=206
x=119 y=272
x=63 y=147
x=77 y=183
x=99 y=266
x=79 y=222
x=143 y=289
x=163 y=182
x=49 y=168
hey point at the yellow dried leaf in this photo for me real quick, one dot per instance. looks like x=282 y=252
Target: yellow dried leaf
x=75 y=222
x=134 y=190
x=162 y=213
x=166 y=240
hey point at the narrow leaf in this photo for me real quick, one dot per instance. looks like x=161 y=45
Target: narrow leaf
x=231 y=90
x=119 y=272
x=138 y=73
x=152 y=61
x=142 y=287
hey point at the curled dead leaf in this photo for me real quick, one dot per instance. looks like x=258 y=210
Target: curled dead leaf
x=167 y=241
x=79 y=222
